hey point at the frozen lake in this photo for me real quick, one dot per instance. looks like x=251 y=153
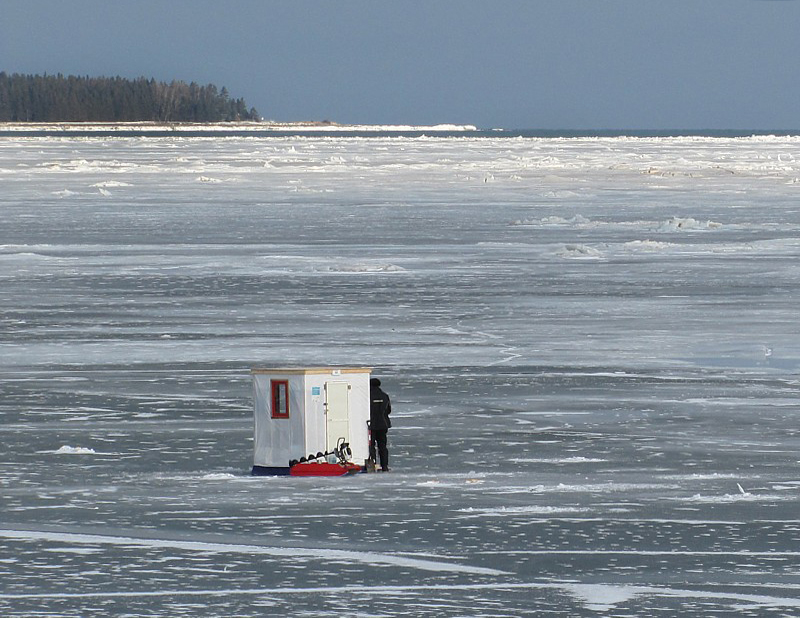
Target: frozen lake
x=591 y=346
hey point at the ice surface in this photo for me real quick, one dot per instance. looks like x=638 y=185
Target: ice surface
x=591 y=346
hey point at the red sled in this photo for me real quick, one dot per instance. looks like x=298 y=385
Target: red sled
x=313 y=468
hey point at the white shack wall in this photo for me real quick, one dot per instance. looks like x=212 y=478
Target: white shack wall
x=315 y=424
x=315 y=413
x=277 y=441
x=359 y=415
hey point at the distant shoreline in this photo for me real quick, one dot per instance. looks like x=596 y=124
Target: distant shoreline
x=333 y=129
x=238 y=127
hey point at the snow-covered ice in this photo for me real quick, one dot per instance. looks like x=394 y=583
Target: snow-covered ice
x=591 y=345
x=74 y=450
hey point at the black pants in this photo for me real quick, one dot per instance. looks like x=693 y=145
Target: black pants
x=379 y=437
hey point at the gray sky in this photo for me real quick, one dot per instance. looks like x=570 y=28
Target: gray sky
x=690 y=64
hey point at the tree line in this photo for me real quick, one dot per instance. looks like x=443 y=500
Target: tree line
x=56 y=98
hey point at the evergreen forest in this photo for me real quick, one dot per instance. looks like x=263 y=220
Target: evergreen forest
x=56 y=98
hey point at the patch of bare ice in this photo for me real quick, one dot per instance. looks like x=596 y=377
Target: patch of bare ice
x=294 y=553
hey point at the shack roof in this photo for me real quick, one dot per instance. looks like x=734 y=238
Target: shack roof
x=309 y=370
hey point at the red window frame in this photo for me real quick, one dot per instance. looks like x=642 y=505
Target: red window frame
x=280 y=398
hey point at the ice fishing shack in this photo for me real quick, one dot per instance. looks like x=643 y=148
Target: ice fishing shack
x=308 y=414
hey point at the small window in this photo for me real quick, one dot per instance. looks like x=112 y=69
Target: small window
x=280 y=398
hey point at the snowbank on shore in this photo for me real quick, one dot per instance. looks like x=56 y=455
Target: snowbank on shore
x=178 y=127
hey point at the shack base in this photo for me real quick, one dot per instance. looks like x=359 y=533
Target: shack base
x=324 y=469
x=269 y=471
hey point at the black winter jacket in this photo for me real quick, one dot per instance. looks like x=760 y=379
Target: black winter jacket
x=379 y=410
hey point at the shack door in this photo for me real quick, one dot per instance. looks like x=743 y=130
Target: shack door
x=337 y=409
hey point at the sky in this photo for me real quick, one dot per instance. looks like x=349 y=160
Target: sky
x=547 y=64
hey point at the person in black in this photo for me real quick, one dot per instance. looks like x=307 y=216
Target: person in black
x=379 y=410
